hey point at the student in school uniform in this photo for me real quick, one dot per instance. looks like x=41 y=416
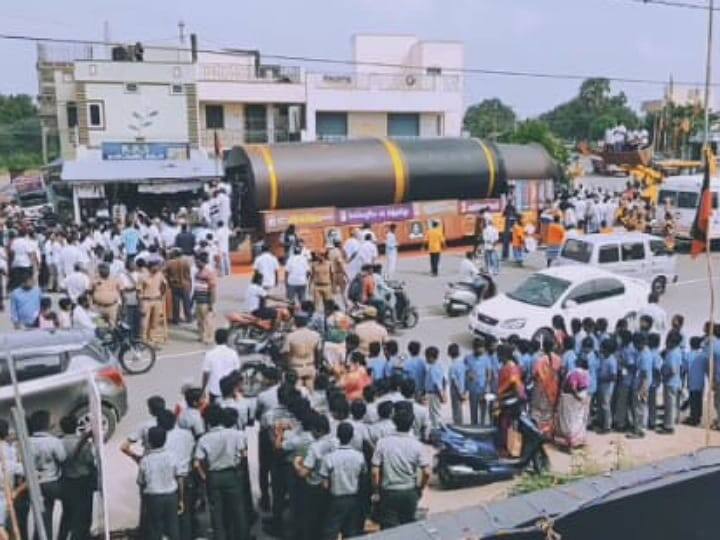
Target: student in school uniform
x=478 y=374
x=218 y=457
x=158 y=482
x=641 y=386
x=78 y=482
x=342 y=471
x=696 y=366
x=607 y=376
x=670 y=373
x=456 y=376
x=435 y=386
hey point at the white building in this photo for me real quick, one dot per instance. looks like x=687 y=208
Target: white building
x=170 y=109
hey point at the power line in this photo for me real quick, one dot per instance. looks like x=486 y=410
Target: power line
x=343 y=62
x=671 y=3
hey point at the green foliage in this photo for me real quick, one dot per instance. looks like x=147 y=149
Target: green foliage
x=588 y=115
x=20 y=133
x=530 y=483
x=537 y=131
x=489 y=118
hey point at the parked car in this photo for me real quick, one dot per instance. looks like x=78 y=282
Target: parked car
x=636 y=255
x=43 y=360
x=570 y=291
x=681 y=194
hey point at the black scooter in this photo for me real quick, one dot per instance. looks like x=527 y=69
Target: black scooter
x=468 y=455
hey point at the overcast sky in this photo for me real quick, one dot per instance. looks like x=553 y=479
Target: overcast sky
x=595 y=37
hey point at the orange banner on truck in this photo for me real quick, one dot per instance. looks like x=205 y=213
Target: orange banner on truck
x=278 y=220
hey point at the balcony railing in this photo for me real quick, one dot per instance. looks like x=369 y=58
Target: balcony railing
x=234 y=137
x=228 y=72
x=387 y=81
x=57 y=53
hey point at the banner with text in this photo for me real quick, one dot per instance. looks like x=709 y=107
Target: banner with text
x=278 y=220
x=374 y=214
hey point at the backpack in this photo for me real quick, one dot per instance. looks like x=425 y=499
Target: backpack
x=355 y=290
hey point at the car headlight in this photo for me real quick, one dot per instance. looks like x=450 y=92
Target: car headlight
x=513 y=324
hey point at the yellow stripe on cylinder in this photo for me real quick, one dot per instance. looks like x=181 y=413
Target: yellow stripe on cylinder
x=272 y=175
x=399 y=168
x=492 y=170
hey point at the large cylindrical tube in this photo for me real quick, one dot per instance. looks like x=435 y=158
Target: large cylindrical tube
x=368 y=172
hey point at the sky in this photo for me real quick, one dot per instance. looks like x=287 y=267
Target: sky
x=618 y=38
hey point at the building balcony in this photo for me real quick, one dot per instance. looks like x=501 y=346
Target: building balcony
x=227 y=138
x=407 y=82
x=229 y=72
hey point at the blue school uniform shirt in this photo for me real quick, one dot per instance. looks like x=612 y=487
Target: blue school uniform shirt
x=672 y=365
x=477 y=373
x=457 y=374
x=627 y=365
x=494 y=371
x=657 y=361
x=608 y=370
x=434 y=379
x=527 y=363
x=416 y=368
x=379 y=368
x=716 y=357
x=593 y=367
x=696 y=366
x=644 y=374
x=568 y=359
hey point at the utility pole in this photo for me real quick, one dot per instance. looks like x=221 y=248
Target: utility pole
x=181 y=32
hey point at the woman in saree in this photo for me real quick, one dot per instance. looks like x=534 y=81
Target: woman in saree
x=510 y=385
x=546 y=392
x=355 y=378
x=574 y=407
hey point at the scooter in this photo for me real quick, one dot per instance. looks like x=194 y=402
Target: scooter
x=462 y=296
x=468 y=455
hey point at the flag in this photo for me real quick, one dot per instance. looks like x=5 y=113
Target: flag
x=701 y=224
x=216 y=143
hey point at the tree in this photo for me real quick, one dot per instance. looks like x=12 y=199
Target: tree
x=20 y=133
x=588 y=115
x=489 y=118
x=537 y=131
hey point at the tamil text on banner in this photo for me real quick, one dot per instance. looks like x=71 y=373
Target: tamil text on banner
x=133 y=151
x=374 y=214
x=434 y=208
x=476 y=206
x=278 y=220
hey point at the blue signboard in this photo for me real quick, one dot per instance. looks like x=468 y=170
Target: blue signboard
x=115 y=151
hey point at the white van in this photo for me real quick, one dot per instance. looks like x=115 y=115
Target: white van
x=632 y=254
x=682 y=195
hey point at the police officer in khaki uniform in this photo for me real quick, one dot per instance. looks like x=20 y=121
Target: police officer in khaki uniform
x=152 y=291
x=322 y=281
x=336 y=257
x=106 y=294
x=301 y=346
x=370 y=331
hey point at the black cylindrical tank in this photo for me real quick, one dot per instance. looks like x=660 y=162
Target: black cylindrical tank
x=368 y=172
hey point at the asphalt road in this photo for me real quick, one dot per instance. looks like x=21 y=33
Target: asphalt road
x=181 y=361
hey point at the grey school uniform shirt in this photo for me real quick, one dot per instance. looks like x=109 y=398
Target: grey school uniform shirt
x=221 y=448
x=157 y=473
x=399 y=457
x=343 y=468
x=315 y=454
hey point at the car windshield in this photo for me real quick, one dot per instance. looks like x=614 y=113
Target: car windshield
x=540 y=290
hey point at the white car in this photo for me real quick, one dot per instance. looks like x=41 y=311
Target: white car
x=570 y=291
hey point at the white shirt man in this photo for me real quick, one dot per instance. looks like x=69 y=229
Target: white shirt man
x=351 y=248
x=467 y=271
x=222 y=238
x=76 y=283
x=368 y=252
x=490 y=235
x=267 y=264
x=297 y=268
x=224 y=214
x=168 y=234
x=253 y=297
x=70 y=255
x=82 y=318
x=23 y=250
x=219 y=362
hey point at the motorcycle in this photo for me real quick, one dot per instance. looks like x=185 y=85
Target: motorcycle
x=463 y=296
x=398 y=310
x=246 y=326
x=135 y=356
x=468 y=455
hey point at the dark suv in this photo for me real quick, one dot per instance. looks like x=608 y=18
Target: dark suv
x=47 y=365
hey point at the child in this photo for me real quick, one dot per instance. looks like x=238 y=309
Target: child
x=415 y=367
x=654 y=344
x=627 y=366
x=371 y=408
x=607 y=375
x=640 y=386
x=191 y=418
x=47 y=319
x=569 y=356
x=435 y=386
x=395 y=360
x=696 y=367
x=587 y=353
x=377 y=364
x=670 y=372
x=456 y=376
x=65 y=314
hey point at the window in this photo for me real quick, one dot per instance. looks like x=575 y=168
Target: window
x=95 y=114
x=176 y=89
x=608 y=288
x=577 y=250
x=667 y=196
x=403 y=125
x=609 y=254
x=583 y=293
x=434 y=70
x=31 y=367
x=687 y=199
x=633 y=252
x=658 y=248
x=72 y=115
x=131 y=88
x=256 y=124
x=214 y=117
x=540 y=290
x=331 y=125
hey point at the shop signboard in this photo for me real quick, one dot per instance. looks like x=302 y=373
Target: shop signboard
x=475 y=206
x=278 y=220
x=374 y=214
x=133 y=151
x=434 y=208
